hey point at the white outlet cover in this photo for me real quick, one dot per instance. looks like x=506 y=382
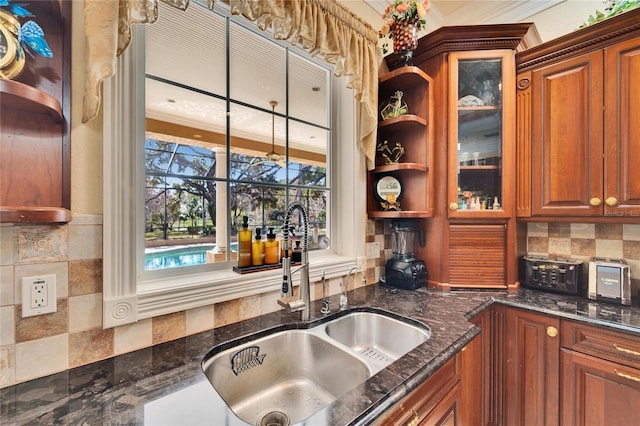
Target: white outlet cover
x=27 y=282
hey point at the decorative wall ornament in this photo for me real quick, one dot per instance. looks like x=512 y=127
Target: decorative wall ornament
x=17 y=38
x=390 y=153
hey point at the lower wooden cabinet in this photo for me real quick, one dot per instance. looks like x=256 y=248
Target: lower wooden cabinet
x=567 y=372
x=452 y=396
x=596 y=392
x=532 y=353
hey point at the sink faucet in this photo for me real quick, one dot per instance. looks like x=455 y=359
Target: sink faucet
x=288 y=301
x=344 y=301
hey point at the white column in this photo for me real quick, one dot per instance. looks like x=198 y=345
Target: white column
x=221 y=202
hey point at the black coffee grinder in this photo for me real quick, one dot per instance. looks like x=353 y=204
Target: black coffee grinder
x=403 y=270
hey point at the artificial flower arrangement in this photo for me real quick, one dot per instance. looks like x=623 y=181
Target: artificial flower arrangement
x=401 y=14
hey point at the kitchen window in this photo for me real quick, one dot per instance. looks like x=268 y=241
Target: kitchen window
x=187 y=164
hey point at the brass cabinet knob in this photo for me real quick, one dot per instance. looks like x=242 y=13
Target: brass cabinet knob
x=453 y=206
x=595 y=202
x=552 y=331
x=611 y=201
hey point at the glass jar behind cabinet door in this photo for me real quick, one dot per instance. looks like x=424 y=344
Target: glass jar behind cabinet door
x=481 y=133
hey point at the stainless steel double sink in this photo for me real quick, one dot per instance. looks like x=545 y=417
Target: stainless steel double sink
x=285 y=376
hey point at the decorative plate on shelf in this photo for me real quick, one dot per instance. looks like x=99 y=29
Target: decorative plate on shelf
x=388 y=190
x=11 y=64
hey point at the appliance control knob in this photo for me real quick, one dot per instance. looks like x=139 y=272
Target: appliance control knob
x=453 y=206
x=595 y=202
x=611 y=201
x=552 y=331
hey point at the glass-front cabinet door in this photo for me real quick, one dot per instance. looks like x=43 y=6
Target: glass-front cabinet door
x=481 y=133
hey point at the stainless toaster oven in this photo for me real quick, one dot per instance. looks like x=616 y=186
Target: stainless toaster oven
x=609 y=280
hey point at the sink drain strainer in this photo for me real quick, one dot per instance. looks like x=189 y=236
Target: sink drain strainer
x=274 y=418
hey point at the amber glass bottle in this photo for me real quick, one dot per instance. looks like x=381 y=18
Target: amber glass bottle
x=244 y=244
x=257 y=250
x=271 y=249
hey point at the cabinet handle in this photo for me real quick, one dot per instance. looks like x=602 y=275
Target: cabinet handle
x=625 y=350
x=626 y=376
x=415 y=420
x=595 y=202
x=611 y=201
x=552 y=331
x=453 y=206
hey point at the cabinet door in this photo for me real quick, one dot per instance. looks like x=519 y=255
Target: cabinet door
x=532 y=368
x=567 y=137
x=447 y=412
x=466 y=267
x=481 y=133
x=622 y=133
x=597 y=392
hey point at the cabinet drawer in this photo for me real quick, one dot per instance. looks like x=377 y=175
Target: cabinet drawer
x=620 y=347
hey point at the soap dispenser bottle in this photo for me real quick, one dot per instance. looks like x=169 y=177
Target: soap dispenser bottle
x=257 y=250
x=271 y=249
x=244 y=244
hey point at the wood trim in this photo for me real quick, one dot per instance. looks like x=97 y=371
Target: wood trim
x=34 y=215
x=582 y=41
x=523 y=145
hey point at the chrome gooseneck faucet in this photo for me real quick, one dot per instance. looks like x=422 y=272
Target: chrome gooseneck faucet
x=288 y=301
x=344 y=301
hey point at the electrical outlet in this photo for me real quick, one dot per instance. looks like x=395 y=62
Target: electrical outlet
x=38 y=295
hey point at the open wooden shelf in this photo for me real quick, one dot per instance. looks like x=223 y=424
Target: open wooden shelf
x=34 y=215
x=19 y=96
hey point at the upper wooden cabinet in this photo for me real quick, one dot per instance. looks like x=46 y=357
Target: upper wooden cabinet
x=481 y=130
x=35 y=178
x=578 y=140
x=473 y=68
x=413 y=131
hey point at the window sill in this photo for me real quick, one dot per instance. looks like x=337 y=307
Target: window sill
x=167 y=295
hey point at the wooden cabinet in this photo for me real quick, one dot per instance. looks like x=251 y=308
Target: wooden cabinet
x=412 y=130
x=34 y=127
x=474 y=82
x=578 y=141
x=452 y=396
x=566 y=372
x=532 y=352
x=481 y=129
x=600 y=376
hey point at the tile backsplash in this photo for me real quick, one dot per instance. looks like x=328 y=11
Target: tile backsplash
x=584 y=240
x=37 y=346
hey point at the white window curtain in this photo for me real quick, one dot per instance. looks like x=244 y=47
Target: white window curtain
x=321 y=27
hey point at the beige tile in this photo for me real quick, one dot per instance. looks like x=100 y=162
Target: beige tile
x=85 y=277
x=41 y=326
x=85 y=242
x=631 y=250
x=39 y=244
x=583 y=230
x=7 y=245
x=250 y=307
x=168 y=327
x=269 y=302
x=7 y=325
x=60 y=269
x=631 y=232
x=7 y=366
x=134 y=336
x=85 y=312
x=7 y=286
x=609 y=248
x=200 y=319
x=227 y=312
x=559 y=246
x=41 y=357
x=89 y=346
x=537 y=230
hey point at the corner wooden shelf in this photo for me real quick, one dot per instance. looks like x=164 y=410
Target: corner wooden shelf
x=392 y=214
x=34 y=215
x=400 y=166
x=19 y=96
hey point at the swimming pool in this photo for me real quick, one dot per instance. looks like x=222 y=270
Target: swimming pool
x=179 y=256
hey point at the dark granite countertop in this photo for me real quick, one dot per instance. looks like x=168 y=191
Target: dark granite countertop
x=165 y=385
